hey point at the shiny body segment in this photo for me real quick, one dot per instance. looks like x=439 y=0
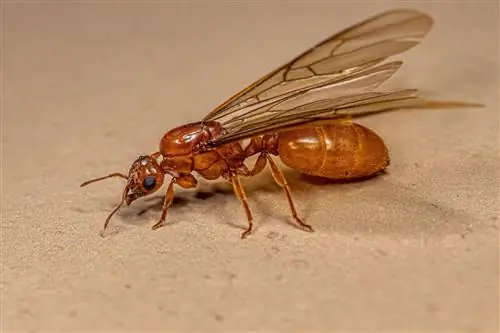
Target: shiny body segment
x=341 y=150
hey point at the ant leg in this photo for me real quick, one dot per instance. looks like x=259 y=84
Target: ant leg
x=155 y=155
x=257 y=168
x=169 y=198
x=259 y=165
x=280 y=179
x=240 y=193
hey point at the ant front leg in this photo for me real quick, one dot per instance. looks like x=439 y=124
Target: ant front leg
x=185 y=181
x=155 y=155
x=169 y=198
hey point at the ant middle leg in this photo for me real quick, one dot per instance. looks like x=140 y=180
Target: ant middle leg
x=281 y=181
x=240 y=193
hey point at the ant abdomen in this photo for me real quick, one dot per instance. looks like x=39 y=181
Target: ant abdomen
x=337 y=150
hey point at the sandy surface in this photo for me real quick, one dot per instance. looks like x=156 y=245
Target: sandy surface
x=87 y=88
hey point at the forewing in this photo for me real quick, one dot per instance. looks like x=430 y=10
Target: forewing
x=338 y=58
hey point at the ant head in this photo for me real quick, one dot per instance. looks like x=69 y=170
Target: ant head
x=145 y=177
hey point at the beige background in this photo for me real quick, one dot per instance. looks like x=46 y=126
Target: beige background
x=89 y=87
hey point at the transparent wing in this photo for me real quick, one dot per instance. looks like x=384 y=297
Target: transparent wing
x=348 y=58
x=326 y=110
x=362 y=81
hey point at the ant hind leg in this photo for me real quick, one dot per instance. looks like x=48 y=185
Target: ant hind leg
x=281 y=181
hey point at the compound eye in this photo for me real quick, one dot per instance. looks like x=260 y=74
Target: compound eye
x=149 y=183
